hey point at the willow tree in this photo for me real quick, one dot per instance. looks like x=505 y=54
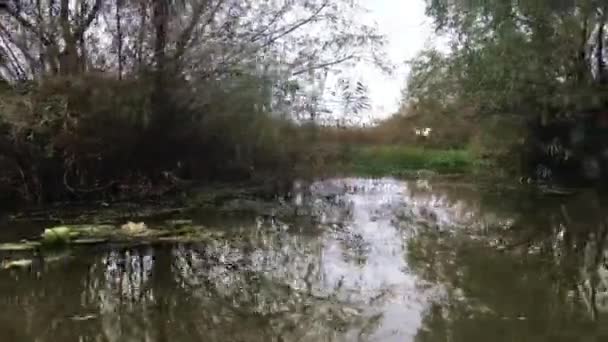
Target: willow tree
x=126 y=88
x=522 y=56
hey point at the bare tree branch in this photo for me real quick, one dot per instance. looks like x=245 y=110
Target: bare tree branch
x=29 y=26
x=295 y=26
x=272 y=21
x=13 y=61
x=79 y=32
x=186 y=34
x=280 y=33
x=6 y=34
x=64 y=20
x=323 y=65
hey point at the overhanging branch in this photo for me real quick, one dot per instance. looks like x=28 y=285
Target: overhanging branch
x=88 y=20
x=28 y=25
x=323 y=65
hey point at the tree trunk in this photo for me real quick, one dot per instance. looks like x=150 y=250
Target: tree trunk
x=160 y=19
x=68 y=58
x=160 y=124
x=599 y=53
x=141 y=35
x=581 y=58
x=119 y=37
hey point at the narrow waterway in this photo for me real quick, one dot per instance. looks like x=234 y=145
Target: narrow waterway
x=371 y=260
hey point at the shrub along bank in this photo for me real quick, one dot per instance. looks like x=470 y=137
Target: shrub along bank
x=91 y=137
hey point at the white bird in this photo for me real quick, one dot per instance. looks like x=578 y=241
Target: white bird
x=423 y=132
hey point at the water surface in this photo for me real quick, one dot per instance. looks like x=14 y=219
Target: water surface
x=372 y=260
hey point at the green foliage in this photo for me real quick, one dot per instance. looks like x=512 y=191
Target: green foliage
x=90 y=137
x=527 y=57
x=56 y=236
x=397 y=160
x=499 y=141
x=526 y=62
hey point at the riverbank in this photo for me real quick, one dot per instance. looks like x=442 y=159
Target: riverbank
x=118 y=152
x=259 y=193
x=407 y=161
x=104 y=155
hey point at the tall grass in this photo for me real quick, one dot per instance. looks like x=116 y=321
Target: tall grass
x=399 y=160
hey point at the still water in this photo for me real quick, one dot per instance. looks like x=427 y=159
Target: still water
x=371 y=260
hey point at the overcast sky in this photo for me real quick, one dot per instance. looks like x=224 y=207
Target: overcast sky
x=407 y=29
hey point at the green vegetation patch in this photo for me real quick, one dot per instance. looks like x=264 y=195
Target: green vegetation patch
x=19 y=246
x=400 y=160
x=61 y=239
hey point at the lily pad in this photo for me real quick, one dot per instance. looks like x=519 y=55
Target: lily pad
x=133 y=228
x=21 y=246
x=89 y=241
x=176 y=239
x=93 y=230
x=179 y=223
x=23 y=263
x=57 y=235
x=82 y=318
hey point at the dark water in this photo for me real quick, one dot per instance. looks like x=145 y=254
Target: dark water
x=376 y=260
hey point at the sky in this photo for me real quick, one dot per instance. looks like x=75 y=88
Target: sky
x=407 y=29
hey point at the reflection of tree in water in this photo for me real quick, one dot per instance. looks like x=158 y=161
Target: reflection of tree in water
x=264 y=283
x=380 y=260
x=261 y=281
x=224 y=291
x=573 y=234
x=541 y=276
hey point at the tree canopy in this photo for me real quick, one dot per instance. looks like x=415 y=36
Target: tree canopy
x=197 y=40
x=541 y=56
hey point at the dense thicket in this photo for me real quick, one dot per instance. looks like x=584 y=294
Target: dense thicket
x=540 y=65
x=115 y=96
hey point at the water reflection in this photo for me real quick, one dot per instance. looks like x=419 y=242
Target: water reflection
x=532 y=274
x=379 y=260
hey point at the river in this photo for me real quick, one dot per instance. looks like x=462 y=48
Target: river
x=372 y=260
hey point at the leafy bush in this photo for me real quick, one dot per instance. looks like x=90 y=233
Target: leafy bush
x=91 y=137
